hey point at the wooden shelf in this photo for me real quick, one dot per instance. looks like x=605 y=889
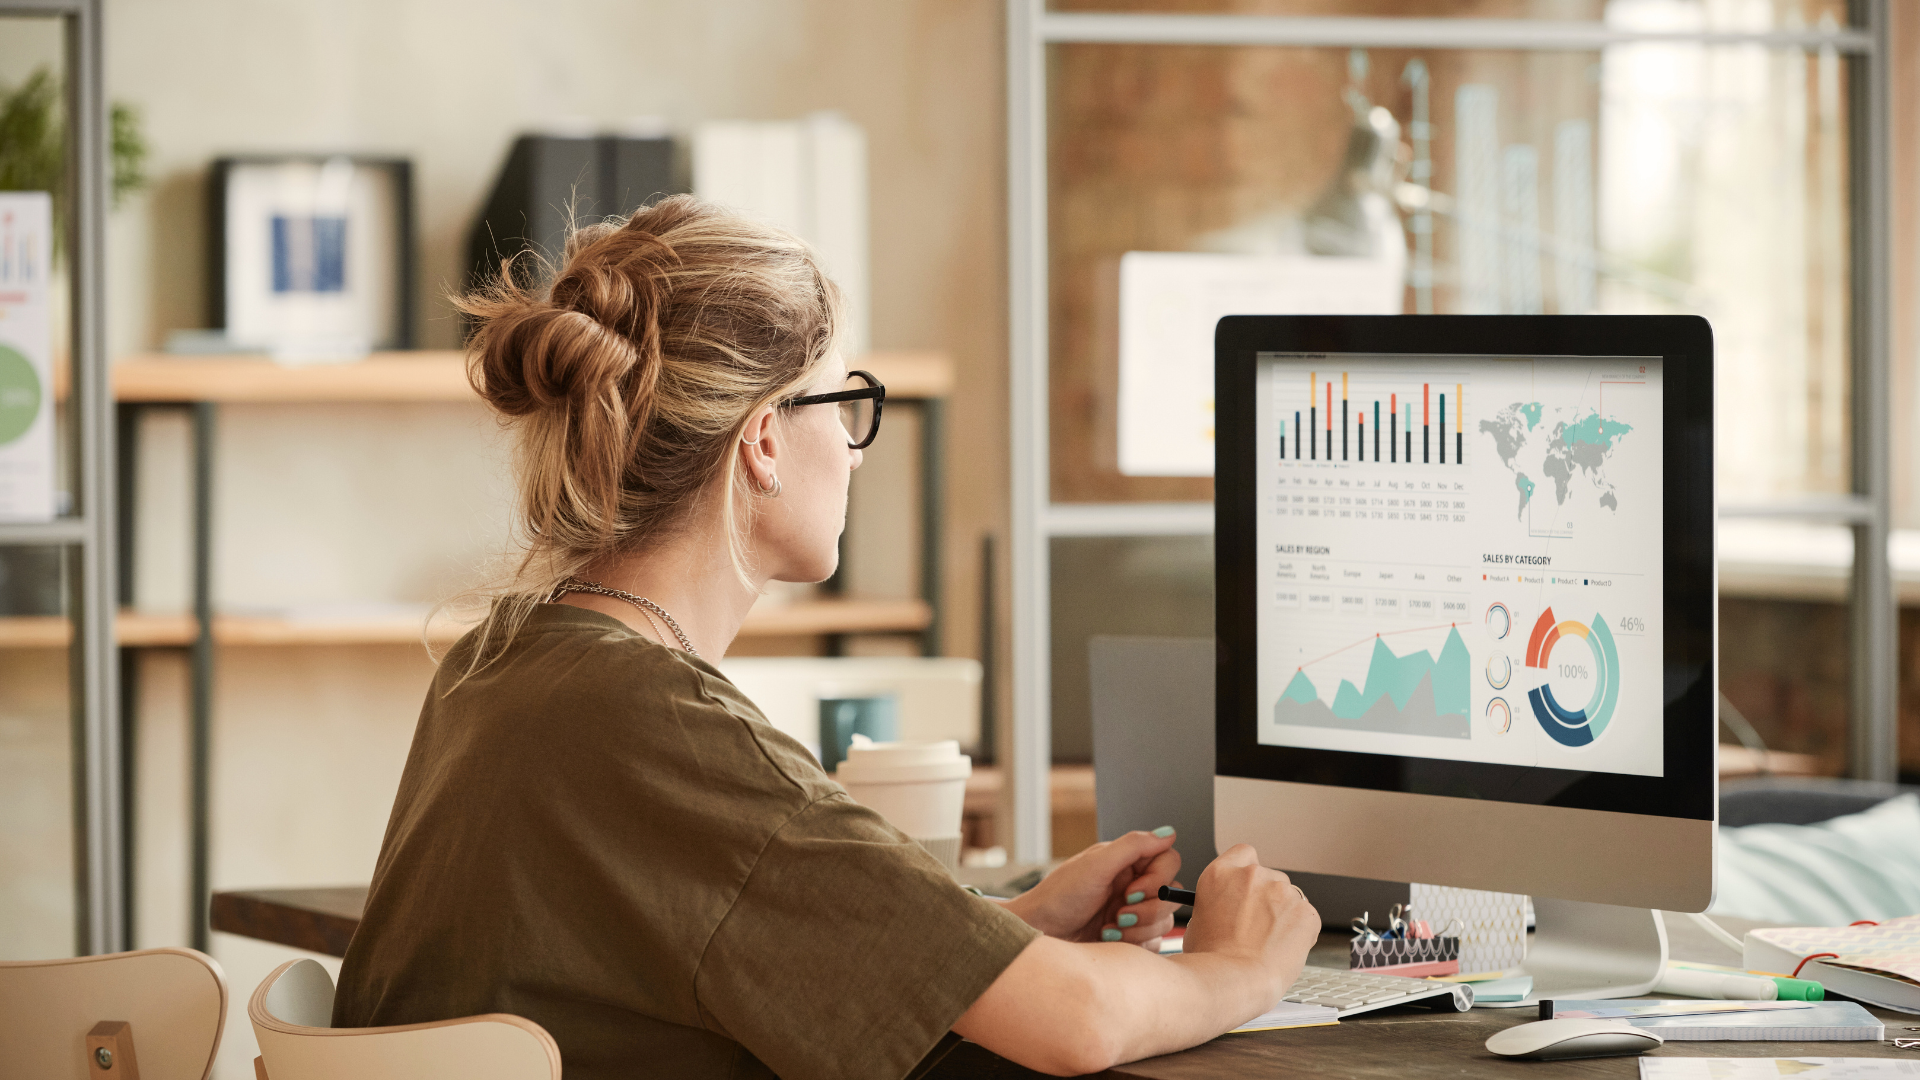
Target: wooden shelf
x=418 y=376
x=387 y=376
x=838 y=617
x=149 y=630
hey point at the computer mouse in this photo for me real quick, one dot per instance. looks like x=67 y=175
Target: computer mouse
x=1553 y=1040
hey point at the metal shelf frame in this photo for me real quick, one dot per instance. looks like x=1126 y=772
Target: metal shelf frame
x=1036 y=519
x=88 y=536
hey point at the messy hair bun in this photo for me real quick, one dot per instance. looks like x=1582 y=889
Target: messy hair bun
x=628 y=379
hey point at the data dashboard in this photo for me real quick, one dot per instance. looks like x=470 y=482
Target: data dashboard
x=1462 y=557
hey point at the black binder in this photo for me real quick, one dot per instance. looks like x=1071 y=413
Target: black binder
x=545 y=176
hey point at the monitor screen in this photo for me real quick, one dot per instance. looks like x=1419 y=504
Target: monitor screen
x=1468 y=556
x=1463 y=556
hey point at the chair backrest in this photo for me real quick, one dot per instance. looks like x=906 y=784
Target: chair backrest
x=174 y=1001
x=290 y=1012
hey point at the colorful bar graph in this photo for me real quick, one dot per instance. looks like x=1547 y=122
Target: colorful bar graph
x=1436 y=410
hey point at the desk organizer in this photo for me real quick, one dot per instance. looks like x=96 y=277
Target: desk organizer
x=1411 y=957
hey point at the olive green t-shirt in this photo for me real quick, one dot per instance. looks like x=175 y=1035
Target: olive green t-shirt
x=604 y=836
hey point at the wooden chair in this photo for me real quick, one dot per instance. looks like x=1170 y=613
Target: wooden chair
x=293 y=1008
x=154 y=1013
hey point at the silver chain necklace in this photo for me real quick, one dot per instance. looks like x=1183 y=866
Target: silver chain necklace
x=645 y=605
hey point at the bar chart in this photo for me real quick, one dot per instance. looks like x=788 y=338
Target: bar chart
x=1325 y=418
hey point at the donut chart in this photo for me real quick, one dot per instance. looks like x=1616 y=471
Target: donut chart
x=1575 y=727
x=1499 y=621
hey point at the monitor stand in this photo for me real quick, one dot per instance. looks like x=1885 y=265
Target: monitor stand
x=1592 y=951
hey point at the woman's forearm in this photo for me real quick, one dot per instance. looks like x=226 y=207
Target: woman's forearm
x=1067 y=1008
x=1171 y=1003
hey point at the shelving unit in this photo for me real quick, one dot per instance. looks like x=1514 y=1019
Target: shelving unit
x=136 y=629
x=200 y=384
x=162 y=380
x=423 y=375
x=87 y=530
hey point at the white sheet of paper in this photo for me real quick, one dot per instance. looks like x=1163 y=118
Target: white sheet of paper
x=1291 y=1014
x=1169 y=304
x=26 y=357
x=1804 y=1068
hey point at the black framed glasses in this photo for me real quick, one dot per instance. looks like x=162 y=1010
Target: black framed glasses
x=859 y=408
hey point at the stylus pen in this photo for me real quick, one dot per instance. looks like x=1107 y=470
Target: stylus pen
x=1177 y=896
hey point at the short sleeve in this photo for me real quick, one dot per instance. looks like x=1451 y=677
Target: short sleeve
x=850 y=951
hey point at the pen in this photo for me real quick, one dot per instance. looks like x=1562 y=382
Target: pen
x=1176 y=896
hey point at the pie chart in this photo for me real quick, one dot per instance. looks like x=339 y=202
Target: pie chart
x=1574 y=727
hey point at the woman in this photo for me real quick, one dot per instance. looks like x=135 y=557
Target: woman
x=596 y=831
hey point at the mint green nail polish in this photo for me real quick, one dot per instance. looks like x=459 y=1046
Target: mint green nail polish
x=1163 y=831
x=1109 y=935
x=1136 y=896
x=1127 y=920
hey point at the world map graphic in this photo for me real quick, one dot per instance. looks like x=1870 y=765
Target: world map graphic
x=1575 y=444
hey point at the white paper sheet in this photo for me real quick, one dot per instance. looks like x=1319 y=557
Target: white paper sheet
x=1169 y=304
x=1803 y=1068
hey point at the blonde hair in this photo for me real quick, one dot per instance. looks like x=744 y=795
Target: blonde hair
x=627 y=382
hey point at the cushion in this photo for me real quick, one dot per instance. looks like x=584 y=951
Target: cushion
x=1858 y=866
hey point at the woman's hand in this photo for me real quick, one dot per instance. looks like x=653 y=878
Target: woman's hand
x=1109 y=892
x=1069 y=1011
x=1254 y=916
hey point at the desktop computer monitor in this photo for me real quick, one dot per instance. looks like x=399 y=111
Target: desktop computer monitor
x=1466 y=613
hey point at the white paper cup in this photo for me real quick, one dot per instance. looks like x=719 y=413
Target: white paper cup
x=920 y=787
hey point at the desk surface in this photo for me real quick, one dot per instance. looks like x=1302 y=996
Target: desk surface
x=1395 y=1044
x=1389 y=1045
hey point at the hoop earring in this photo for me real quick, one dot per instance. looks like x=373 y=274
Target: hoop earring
x=771 y=491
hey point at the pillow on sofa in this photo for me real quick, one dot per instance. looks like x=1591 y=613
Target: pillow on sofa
x=1859 y=866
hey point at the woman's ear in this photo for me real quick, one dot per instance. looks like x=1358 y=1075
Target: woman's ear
x=758 y=450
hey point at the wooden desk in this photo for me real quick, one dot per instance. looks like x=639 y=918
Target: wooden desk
x=317 y=920
x=1393 y=1044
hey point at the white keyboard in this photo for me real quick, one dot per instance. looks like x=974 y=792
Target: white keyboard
x=1363 y=991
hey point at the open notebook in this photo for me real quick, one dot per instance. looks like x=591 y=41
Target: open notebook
x=1878 y=964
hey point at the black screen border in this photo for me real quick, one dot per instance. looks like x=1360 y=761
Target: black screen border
x=1685 y=343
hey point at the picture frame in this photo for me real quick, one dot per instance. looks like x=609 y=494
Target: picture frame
x=312 y=256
